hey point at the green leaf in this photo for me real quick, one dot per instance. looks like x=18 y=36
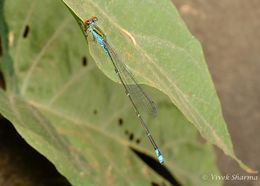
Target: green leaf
x=154 y=42
x=6 y=64
x=70 y=112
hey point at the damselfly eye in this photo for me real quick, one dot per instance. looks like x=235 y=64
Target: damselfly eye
x=86 y=22
x=94 y=19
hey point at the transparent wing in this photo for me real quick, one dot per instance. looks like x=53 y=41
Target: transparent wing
x=138 y=95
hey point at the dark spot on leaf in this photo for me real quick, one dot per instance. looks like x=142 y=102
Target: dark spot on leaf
x=1 y=49
x=2 y=81
x=84 y=61
x=120 y=122
x=157 y=167
x=154 y=184
x=131 y=136
x=95 y=112
x=138 y=141
x=126 y=132
x=26 y=31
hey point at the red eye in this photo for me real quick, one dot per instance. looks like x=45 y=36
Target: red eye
x=88 y=21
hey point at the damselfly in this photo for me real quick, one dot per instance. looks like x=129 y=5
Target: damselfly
x=133 y=90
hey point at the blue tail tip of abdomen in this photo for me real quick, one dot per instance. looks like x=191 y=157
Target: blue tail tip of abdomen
x=161 y=159
x=159 y=156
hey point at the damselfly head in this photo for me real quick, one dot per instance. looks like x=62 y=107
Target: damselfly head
x=89 y=21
